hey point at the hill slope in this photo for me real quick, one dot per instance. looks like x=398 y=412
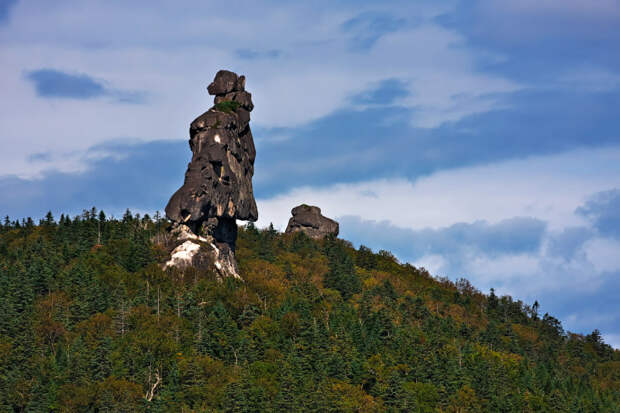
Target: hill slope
x=89 y=322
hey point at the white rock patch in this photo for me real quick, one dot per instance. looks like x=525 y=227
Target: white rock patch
x=182 y=255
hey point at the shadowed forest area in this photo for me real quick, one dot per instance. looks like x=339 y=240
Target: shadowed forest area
x=89 y=322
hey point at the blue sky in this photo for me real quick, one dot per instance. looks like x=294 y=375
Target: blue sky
x=477 y=138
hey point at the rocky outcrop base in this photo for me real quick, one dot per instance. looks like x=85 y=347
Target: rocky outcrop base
x=201 y=252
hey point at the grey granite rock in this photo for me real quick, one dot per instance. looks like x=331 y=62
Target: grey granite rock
x=218 y=183
x=308 y=219
x=225 y=82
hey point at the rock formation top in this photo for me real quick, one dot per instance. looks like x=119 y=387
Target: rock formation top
x=308 y=219
x=218 y=183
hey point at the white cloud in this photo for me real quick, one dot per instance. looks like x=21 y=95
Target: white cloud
x=172 y=53
x=511 y=270
x=433 y=263
x=443 y=82
x=604 y=253
x=548 y=188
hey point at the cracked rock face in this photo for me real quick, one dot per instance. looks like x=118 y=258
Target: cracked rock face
x=218 y=183
x=308 y=219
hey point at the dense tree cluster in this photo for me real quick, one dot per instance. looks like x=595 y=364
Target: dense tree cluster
x=89 y=322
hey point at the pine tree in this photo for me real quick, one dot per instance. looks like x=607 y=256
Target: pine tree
x=49 y=219
x=341 y=275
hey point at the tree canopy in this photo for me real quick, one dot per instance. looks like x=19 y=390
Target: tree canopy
x=90 y=322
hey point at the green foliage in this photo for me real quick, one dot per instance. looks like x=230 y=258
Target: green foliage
x=227 y=106
x=90 y=322
x=341 y=275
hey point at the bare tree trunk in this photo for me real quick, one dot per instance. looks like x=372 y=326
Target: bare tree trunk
x=151 y=392
x=235 y=354
x=158 y=297
x=199 y=332
x=123 y=312
x=178 y=318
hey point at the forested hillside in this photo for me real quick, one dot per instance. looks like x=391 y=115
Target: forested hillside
x=89 y=322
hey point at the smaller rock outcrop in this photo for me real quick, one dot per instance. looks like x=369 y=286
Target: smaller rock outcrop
x=308 y=219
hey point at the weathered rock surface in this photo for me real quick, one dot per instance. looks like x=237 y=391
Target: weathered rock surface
x=201 y=252
x=183 y=255
x=218 y=183
x=308 y=219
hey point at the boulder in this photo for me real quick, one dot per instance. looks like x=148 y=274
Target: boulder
x=225 y=82
x=308 y=219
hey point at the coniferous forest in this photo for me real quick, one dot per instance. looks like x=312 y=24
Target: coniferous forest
x=89 y=322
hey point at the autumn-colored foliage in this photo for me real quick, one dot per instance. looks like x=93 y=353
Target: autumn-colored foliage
x=89 y=322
